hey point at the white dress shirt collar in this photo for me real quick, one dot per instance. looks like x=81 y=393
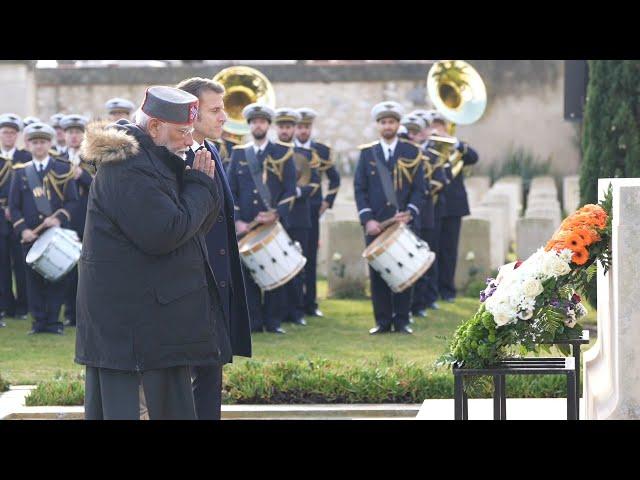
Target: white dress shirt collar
x=386 y=146
x=9 y=153
x=307 y=144
x=41 y=164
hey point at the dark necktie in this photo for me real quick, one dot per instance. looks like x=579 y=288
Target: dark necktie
x=390 y=155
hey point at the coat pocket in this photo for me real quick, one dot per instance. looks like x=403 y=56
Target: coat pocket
x=166 y=294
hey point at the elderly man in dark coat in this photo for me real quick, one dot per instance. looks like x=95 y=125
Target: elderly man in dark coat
x=147 y=305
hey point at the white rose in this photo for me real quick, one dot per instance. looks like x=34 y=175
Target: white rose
x=532 y=288
x=553 y=266
x=501 y=319
x=570 y=322
x=565 y=255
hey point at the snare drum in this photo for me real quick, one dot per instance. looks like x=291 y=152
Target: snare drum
x=399 y=256
x=55 y=253
x=270 y=255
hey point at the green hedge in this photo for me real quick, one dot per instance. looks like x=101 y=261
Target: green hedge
x=322 y=381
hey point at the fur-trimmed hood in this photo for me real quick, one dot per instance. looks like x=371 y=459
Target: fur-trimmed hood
x=110 y=142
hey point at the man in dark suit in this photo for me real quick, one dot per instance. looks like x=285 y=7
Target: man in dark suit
x=234 y=333
x=11 y=258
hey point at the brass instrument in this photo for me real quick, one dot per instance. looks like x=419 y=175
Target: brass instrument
x=457 y=91
x=303 y=169
x=243 y=85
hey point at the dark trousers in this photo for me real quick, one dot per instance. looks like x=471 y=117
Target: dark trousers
x=388 y=308
x=310 y=301
x=207 y=391
x=71 y=292
x=12 y=262
x=425 y=291
x=7 y=300
x=119 y=395
x=45 y=300
x=295 y=287
x=449 y=240
x=267 y=312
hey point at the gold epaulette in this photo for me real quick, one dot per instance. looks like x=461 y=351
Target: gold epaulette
x=246 y=145
x=286 y=144
x=16 y=166
x=235 y=141
x=411 y=142
x=367 y=145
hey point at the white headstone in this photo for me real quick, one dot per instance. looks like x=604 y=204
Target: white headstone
x=503 y=201
x=474 y=251
x=531 y=234
x=612 y=366
x=571 y=193
x=498 y=246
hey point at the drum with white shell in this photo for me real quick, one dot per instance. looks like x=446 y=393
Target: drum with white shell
x=55 y=253
x=399 y=256
x=271 y=257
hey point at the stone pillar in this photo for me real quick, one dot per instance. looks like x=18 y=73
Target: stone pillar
x=347 y=270
x=571 y=193
x=18 y=87
x=612 y=366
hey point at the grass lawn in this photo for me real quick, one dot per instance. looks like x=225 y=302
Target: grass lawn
x=341 y=335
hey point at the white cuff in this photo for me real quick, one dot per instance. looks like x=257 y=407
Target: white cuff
x=364 y=210
x=416 y=209
x=298 y=192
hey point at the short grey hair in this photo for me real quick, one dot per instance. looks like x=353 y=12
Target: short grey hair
x=142 y=119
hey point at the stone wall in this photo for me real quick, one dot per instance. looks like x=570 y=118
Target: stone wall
x=525 y=101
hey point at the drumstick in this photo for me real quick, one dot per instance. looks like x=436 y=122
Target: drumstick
x=35 y=231
x=253 y=224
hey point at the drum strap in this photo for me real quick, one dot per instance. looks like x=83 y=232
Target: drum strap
x=256 y=174
x=39 y=195
x=385 y=179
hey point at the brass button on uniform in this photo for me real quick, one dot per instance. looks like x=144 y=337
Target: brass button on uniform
x=223 y=284
x=222 y=251
x=255 y=202
x=255 y=191
x=220 y=218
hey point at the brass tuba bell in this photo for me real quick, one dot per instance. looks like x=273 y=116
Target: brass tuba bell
x=243 y=85
x=458 y=93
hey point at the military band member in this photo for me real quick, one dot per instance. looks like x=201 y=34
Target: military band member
x=299 y=224
x=234 y=333
x=388 y=184
x=60 y=147
x=275 y=169
x=225 y=146
x=74 y=127
x=425 y=290
x=118 y=108
x=43 y=195
x=11 y=257
x=319 y=203
x=457 y=206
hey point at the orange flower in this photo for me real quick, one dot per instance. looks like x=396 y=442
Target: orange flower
x=555 y=245
x=587 y=235
x=571 y=239
x=580 y=256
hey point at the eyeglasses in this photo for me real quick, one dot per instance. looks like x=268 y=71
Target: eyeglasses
x=185 y=131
